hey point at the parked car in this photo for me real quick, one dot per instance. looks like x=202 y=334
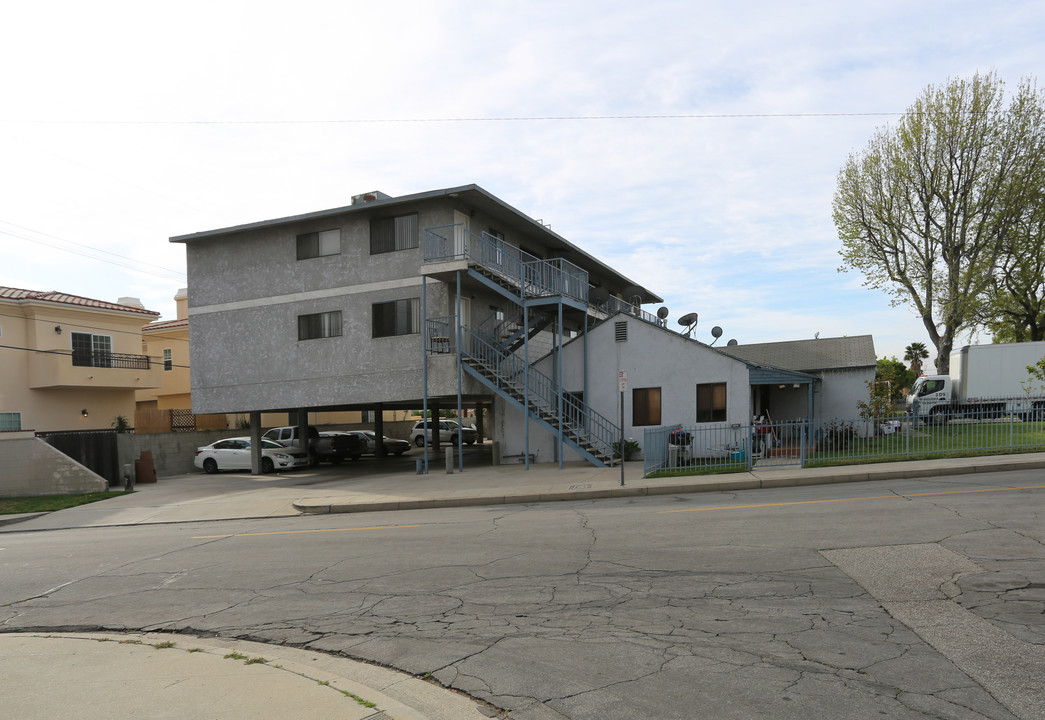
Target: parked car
x=321 y=446
x=234 y=454
x=448 y=431
x=393 y=446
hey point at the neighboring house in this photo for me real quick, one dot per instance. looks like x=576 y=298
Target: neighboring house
x=69 y=362
x=355 y=308
x=843 y=365
x=167 y=343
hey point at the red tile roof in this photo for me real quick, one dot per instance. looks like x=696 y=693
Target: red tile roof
x=53 y=296
x=165 y=325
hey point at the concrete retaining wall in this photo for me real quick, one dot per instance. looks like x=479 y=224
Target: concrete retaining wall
x=32 y=467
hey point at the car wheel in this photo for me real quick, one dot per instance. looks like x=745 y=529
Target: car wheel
x=469 y=442
x=419 y=441
x=453 y=439
x=209 y=466
x=267 y=465
x=313 y=458
x=336 y=460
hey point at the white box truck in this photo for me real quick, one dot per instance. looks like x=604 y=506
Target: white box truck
x=985 y=382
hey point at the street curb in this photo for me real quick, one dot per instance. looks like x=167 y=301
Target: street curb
x=750 y=481
x=20 y=517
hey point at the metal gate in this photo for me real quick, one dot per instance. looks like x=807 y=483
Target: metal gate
x=94 y=449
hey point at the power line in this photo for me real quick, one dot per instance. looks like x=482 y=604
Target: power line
x=170 y=273
x=524 y=118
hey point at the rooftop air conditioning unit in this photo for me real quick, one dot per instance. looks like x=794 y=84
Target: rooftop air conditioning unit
x=369 y=197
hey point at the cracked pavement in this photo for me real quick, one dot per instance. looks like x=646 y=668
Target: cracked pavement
x=857 y=601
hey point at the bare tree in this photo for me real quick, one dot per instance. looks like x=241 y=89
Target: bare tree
x=926 y=209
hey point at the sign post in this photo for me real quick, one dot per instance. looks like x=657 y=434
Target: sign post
x=622 y=385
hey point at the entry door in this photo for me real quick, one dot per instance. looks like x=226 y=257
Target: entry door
x=460 y=234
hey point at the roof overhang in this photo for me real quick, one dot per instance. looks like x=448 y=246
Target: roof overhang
x=467 y=195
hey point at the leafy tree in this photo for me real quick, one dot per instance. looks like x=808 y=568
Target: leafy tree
x=894 y=375
x=914 y=354
x=879 y=403
x=926 y=210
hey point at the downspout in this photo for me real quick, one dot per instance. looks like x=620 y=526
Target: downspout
x=558 y=363
x=526 y=379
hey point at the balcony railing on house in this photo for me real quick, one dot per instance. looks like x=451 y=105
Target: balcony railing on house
x=105 y=359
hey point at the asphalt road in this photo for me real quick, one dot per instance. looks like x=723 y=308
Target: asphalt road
x=902 y=599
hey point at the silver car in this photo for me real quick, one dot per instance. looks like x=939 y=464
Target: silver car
x=368 y=438
x=448 y=431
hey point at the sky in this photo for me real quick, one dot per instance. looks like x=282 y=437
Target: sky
x=694 y=146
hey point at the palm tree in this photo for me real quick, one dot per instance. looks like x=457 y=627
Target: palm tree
x=914 y=354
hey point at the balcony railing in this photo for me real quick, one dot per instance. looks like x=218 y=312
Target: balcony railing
x=104 y=359
x=532 y=275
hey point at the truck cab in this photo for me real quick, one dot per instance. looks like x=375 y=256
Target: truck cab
x=929 y=392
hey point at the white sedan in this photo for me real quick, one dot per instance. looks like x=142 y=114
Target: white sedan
x=234 y=454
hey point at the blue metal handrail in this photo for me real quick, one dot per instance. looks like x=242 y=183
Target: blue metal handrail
x=512 y=374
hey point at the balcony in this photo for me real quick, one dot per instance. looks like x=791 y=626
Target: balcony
x=109 y=370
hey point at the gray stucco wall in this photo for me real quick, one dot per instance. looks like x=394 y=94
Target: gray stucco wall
x=32 y=467
x=651 y=357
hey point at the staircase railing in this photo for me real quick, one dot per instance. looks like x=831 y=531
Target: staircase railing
x=583 y=427
x=533 y=276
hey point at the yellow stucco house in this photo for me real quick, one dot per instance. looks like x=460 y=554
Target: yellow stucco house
x=69 y=362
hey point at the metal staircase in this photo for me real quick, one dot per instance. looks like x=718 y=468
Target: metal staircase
x=533 y=289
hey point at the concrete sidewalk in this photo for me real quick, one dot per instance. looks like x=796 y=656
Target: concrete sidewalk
x=158 y=676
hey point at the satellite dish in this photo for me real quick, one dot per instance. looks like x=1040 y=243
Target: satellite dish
x=633 y=294
x=598 y=295
x=688 y=321
x=731 y=342
x=662 y=313
x=716 y=332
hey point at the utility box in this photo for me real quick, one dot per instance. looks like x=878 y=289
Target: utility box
x=144 y=468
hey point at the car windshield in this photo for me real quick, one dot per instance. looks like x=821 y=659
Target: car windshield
x=270 y=444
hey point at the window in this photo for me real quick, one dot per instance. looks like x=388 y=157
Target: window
x=711 y=402
x=394 y=233
x=10 y=421
x=645 y=406
x=168 y=359
x=318 y=244
x=368 y=416
x=398 y=317
x=319 y=325
x=91 y=350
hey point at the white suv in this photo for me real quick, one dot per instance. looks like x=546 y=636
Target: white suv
x=448 y=431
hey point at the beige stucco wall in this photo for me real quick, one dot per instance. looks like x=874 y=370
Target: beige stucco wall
x=39 y=380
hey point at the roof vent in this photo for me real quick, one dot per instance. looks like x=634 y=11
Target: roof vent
x=131 y=302
x=369 y=197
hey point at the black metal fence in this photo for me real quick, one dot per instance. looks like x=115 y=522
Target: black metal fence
x=94 y=449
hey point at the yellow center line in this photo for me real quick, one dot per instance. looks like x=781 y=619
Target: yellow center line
x=870 y=497
x=300 y=532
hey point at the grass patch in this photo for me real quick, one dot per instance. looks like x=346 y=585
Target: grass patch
x=361 y=701
x=708 y=470
x=235 y=656
x=163 y=645
x=49 y=503
x=255 y=661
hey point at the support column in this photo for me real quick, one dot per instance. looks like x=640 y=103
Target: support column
x=479 y=421
x=379 y=431
x=304 y=441
x=433 y=424
x=255 y=442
